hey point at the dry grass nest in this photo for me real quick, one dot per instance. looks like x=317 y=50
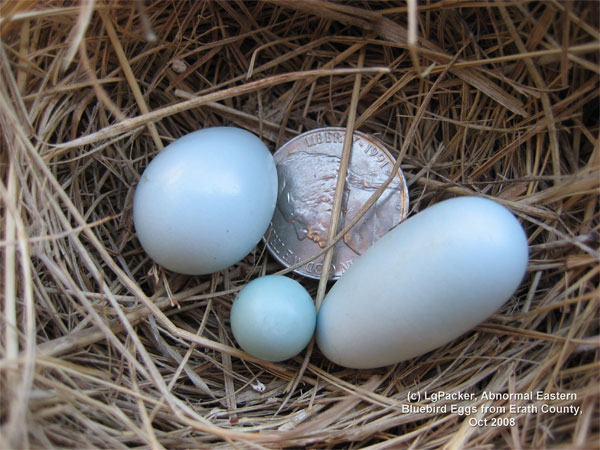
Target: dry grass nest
x=101 y=348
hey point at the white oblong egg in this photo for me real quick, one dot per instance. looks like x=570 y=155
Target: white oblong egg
x=429 y=280
x=205 y=201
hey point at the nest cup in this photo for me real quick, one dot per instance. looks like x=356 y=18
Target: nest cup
x=101 y=348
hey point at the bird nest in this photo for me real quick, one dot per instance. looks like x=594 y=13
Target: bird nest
x=102 y=348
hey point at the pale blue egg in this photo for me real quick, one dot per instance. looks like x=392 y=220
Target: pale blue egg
x=432 y=278
x=205 y=201
x=273 y=318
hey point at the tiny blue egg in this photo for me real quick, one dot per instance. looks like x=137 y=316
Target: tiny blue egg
x=273 y=318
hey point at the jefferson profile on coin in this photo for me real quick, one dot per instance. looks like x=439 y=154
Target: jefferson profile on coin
x=307 y=206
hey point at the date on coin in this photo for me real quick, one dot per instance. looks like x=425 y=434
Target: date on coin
x=307 y=168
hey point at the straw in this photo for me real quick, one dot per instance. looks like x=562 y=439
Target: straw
x=101 y=348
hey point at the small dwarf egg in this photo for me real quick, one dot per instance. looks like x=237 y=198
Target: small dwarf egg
x=273 y=318
x=205 y=201
x=429 y=280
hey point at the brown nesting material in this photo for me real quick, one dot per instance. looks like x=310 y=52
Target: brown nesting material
x=100 y=348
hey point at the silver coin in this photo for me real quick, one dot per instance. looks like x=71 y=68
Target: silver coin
x=307 y=168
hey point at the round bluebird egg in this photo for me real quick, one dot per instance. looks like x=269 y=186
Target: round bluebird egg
x=273 y=318
x=205 y=201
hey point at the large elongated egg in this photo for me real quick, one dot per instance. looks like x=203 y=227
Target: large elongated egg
x=429 y=280
x=206 y=200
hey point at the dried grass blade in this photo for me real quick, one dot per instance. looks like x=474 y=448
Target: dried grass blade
x=331 y=415
x=541 y=85
x=396 y=33
x=340 y=183
x=86 y=9
x=133 y=84
x=161 y=113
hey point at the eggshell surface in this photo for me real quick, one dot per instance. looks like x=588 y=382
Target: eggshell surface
x=429 y=280
x=273 y=318
x=205 y=201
